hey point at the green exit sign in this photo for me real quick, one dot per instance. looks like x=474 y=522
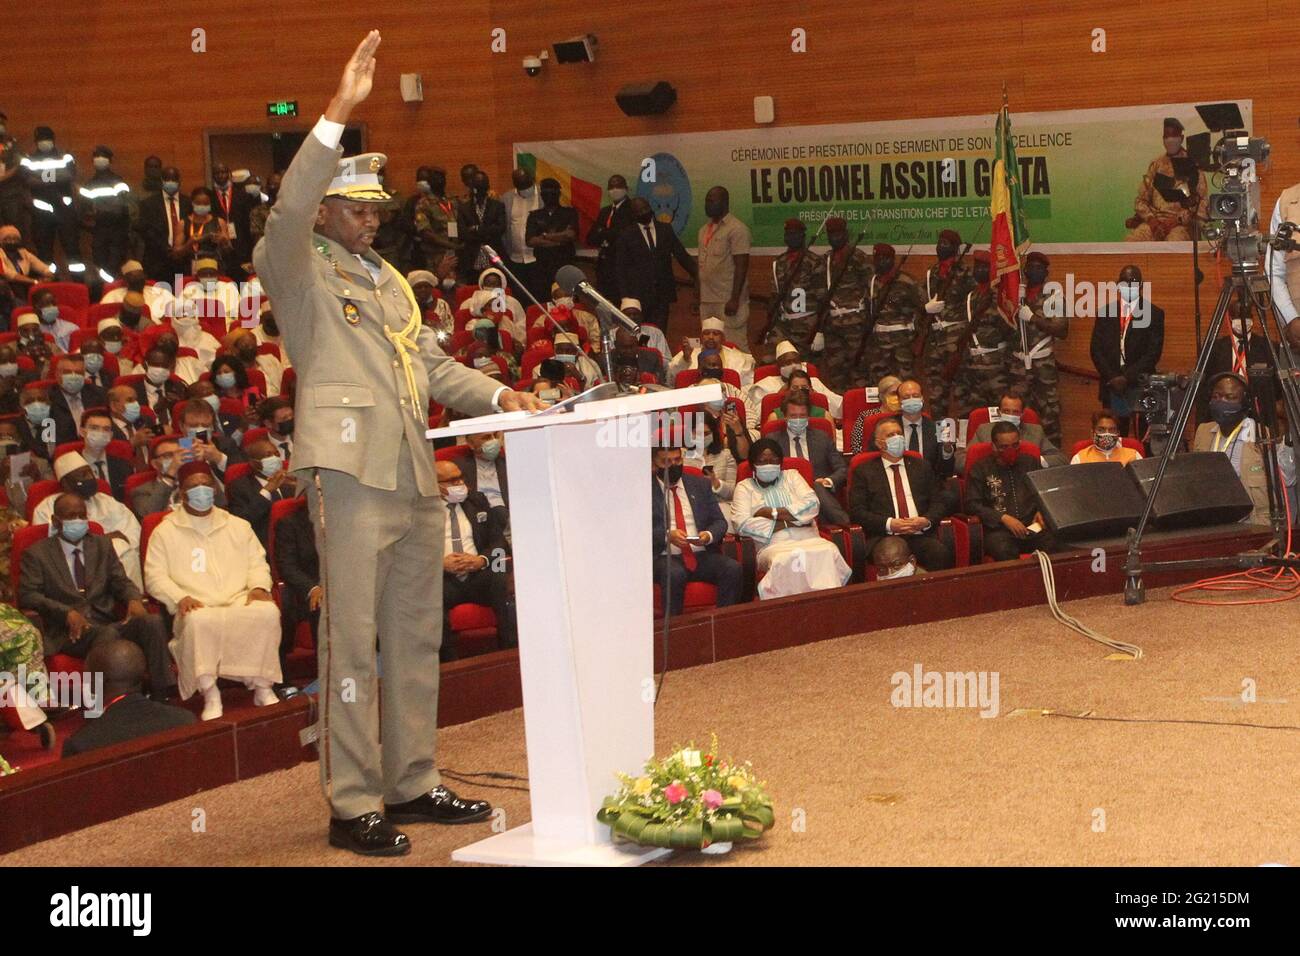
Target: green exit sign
x=282 y=108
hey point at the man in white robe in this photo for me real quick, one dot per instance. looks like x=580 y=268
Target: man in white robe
x=208 y=569
x=787 y=360
x=75 y=475
x=713 y=336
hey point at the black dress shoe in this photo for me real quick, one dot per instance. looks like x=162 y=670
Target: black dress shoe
x=370 y=835
x=49 y=739
x=439 y=805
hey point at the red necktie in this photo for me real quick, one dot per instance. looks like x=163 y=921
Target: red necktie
x=1239 y=364
x=175 y=220
x=900 y=495
x=679 y=522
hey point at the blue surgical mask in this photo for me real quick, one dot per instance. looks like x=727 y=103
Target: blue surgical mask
x=131 y=412
x=49 y=314
x=200 y=497
x=98 y=439
x=1128 y=291
x=72 y=382
x=74 y=529
x=94 y=362
x=112 y=347
x=37 y=412
x=912 y=406
x=767 y=473
x=796 y=426
x=8 y=369
x=171 y=188
x=490 y=449
x=1013 y=419
x=895 y=445
x=270 y=465
x=225 y=380
x=202 y=210
x=566 y=358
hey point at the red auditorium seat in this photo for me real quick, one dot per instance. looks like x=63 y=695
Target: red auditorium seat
x=691 y=376
x=980 y=416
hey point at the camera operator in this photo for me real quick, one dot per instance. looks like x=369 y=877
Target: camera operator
x=1127 y=341
x=1233 y=431
x=1227 y=355
x=1285 y=266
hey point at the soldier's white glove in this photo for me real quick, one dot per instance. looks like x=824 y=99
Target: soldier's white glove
x=1025 y=313
x=818 y=342
x=934 y=306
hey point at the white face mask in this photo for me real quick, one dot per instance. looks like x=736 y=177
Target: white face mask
x=101 y=162
x=906 y=571
x=457 y=493
x=45 y=145
x=528 y=193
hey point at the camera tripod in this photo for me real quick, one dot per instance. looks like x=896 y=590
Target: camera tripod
x=1251 y=286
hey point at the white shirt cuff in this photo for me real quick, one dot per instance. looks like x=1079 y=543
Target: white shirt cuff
x=328 y=132
x=497 y=394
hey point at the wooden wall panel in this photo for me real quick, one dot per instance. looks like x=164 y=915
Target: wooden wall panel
x=864 y=62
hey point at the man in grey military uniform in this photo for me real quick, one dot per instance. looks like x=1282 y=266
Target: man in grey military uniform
x=367 y=368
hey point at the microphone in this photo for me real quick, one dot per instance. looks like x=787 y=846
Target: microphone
x=572 y=279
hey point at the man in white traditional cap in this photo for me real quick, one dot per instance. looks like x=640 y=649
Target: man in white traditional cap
x=493 y=299
x=713 y=335
x=568 y=349
x=197 y=298
x=209 y=570
x=651 y=335
x=437 y=313
x=787 y=360
x=74 y=474
x=157 y=296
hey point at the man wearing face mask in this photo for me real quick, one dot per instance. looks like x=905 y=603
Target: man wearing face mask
x=160 y=494
x=1157 y=216
x=713 y=338
x=120 y=526
x=1043 y=321
x=36 y=428
x=999 y=494
x=276 y=416
x=106 y=198
x=722 y=276
x=1106 y=444
x=644 y=254
x=52 y=321
x=223 y=191
x=629 y=352
x=829 y=468
x=157 y=295
x=982 y=372
x=18 y=267
x=433 y=217
x=253 y=494
x=709 y=364
x=798 y=279
x=12 y=378
x=51 y=175
x=160 y=224
x=847 y=279
x=948 y=285
x=75 y=581
x=519 y=204
x=893 y=559
x=1233 y=431
x=480 y=220
x=568 y=350
x=610 y=222
x=129 y=421
x=97 y=428
x=32 y=343
x=1011 y=408
x=72 y=397
x=211 y=296
x=159 y=390
x=97 y=370
x=488 y=472
x=897 y=493
x=551 y=233
x=242 y=344
x=1127 y=341
x=920 y=433
x=1235 y=351
x=894 y=308
x=787 y=360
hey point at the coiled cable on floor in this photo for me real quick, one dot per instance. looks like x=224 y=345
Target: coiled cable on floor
x=1049 y=586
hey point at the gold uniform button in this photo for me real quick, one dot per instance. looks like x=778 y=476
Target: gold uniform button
x=395 y=363
x=346 y=400
x=402 y=402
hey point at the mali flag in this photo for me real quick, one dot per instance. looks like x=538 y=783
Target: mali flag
x=578 y=193
x=1009 y=237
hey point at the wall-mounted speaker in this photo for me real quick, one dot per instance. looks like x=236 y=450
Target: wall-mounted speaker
x=646 y=99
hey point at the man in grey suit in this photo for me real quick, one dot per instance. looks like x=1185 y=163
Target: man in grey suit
x=828 y=466
x=75 y=581
x=1011 y=408
x=367 y=368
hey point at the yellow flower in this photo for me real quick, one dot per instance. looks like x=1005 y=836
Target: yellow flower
x=736 y=782
x=642 y=786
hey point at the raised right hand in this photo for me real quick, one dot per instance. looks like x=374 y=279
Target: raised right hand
x=358 y=76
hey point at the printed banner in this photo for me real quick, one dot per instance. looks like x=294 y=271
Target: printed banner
x=1081 y=172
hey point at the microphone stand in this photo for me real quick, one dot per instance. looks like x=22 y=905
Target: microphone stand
x=499 y=263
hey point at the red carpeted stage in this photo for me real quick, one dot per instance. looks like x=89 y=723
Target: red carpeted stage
x=66 y=795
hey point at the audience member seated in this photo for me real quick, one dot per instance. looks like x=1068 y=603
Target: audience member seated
x=1011 y=408
x=887 y=395
x=208 y=569
x=128 y=714
x=232 y=426
x=97 y=426
x=158 y=390
x=899 y=494
x=800 y=387
x=713 y=338
x=551 y=389
x=76 y=583
x=22 y=651
x=437 y=313
x=200 y=298
x=276 y=416
x=710 y=366
x=128 y=422
x=561 y=304
x=92 y=355
x=112 y=336
x=796 y=440
x=1106 y=444
x=777 y=510
x=36 y=429
x=19 y=267
x=32 y=343
x=486 y=343
x=12 y=378
x=492 y=299
x=692 y=531
x=120 y=526
x=920 y=433
x=578 y=365
x=188 y=368
x=131 y=315
x=651 y=334
x=999 y=494
x=1234 y=432
x=629 y=352
x=787 y=360
x=51 y=319
x=35 y=469
x=298 y=565
x=199 y=424
x=158 y=296
x=253 y=493
x=72 y=397
x=229 y=379
x=475 y=570
x=892 y=559
x=715 y=446
x=486 y=472
x=190 y=335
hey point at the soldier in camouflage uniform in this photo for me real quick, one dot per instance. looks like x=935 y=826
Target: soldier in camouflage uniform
x=983 y=370
x=801 y=274
x=434 y=219
x=894 y=302
x=946 y=315
x=844 y=322
x=1041 y=325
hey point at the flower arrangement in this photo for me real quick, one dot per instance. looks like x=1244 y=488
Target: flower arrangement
x=689 y=800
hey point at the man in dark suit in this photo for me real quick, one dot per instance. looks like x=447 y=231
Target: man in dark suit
x=74 y=581
x=160 y=396
x=609 y=224
x=898 y=493
x=159 y=223
x=72 y=396
x=695 y=514
x=644 y=253
x=128 y=714
x=480 y=220
x=252 y=495
x=199 y=423
x=1127 y=341
x=474 y=567
x=97 y=373
x=36 y=427
x=919 y=432
x=131 y=421
x=97 y=426
x=829 y=470
x=297 y=564
x=485 y=473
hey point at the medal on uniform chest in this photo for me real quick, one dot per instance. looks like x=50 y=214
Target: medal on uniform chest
x=350 y=314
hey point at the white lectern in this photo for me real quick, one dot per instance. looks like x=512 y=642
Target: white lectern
x=580 y=484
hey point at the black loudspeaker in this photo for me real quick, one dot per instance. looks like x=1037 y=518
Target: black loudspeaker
x=646 y=99
x=1199 y=488
x=1094 y=500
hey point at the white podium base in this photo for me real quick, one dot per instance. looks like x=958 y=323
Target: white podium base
x=518 y=847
